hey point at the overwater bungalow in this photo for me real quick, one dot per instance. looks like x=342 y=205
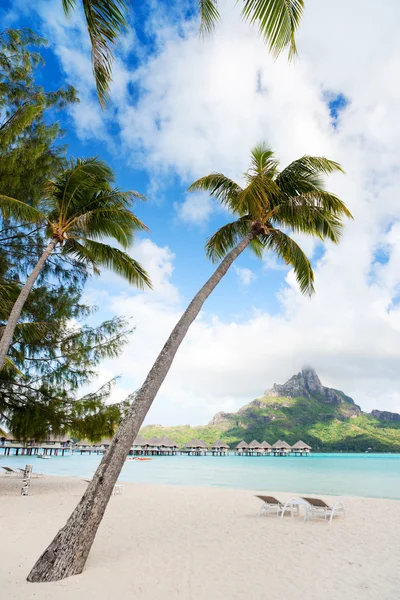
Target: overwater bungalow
x=138 y=445
x=53 y=444
x=153 y=445
x=102 y=446
x=255 y=448
x=168 y=447
x=84 y=447
x=219 y=448
x=196 y=448
x=266 y=448
x=301 y=448
x=242 y=448
x=281 y=448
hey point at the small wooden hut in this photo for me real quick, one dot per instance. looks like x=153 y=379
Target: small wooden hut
x=219 y=448
x=168 y=447
x=242 y=448
x=266 y=448
x=255 y=448
x=196 y=448
x=301 y=448
x=154 y=444
x=138 y=445
x=281 y=448
x=84 y=447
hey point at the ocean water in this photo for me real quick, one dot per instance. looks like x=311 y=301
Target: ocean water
x=369 y=475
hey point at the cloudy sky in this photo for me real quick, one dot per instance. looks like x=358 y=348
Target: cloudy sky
x=183 y=107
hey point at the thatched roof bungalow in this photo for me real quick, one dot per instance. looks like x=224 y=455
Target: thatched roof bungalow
x=281 y=447
x=219 y=445
x=83 y=444
x=242 y=445
x=166 y=442
x=154 y=442
x=301 y=446
x=254 y=447
x=103 y=444
x=196 y=444
x=139 y=441
x=266 y=447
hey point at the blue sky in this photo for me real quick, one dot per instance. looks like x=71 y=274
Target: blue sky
x=182 y=107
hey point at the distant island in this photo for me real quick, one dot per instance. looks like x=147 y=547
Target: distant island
x=302 y=408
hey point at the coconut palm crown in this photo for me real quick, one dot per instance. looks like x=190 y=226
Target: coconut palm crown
x=273 y=203
x=79 y=211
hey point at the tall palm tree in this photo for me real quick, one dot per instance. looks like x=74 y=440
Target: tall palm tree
x=270 y=202
x=277 y=22
x=79 y=208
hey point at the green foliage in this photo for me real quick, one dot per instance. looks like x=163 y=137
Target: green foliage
x=79 y=206
x=273 y=202
x=55 y=349
x=277 y=20
x=324 y=426
x=28 y=152
x=106 y=20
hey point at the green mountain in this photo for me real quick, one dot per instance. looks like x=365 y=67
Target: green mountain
x=302 y=408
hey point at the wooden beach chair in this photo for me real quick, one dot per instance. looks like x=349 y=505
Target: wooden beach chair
x=318 y=507
x=10 y=472
x=270 y=506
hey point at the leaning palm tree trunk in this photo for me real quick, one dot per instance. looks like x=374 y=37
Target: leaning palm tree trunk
x=12 y=322
x=68 y=552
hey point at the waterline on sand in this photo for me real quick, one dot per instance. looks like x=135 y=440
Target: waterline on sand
x=368 y=475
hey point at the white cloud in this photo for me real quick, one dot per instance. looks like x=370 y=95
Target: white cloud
x=199 y=107
x=196 y=209
x=245 y=276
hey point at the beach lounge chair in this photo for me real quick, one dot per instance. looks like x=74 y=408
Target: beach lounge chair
x=9 y=472
x=270 y=505
x=319 y=507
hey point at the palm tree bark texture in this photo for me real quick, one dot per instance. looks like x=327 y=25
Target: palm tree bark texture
x=19 y=305
x=69 y=550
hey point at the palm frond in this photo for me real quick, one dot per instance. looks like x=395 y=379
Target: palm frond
x=219 y=186
x=277 y=22
x=226 y=238
x=304 y=175
x=31 y=332
x=311 y=220
x=106 y=20
x=209 y=15
x=262 y=161
x=257 y=197
x=287 y=249
x=10 y=208
x=11 y=367
x=96 y=254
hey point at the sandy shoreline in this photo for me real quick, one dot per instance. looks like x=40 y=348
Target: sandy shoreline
x=200 y=543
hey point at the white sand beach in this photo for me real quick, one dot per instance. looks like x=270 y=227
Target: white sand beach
x=200 y=544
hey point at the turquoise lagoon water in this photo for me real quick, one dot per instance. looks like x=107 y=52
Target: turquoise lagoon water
x=371 y=475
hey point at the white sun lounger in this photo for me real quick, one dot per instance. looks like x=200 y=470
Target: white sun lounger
x=318 y=507
x=9 y=472
x=270 y=506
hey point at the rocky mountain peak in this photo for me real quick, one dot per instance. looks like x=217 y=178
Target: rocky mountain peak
x=307 y=384
x=385 y=415
x=312 y=382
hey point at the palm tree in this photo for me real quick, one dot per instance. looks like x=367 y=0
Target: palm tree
x=277 y=22
x=270 y=202
x=79 y=208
